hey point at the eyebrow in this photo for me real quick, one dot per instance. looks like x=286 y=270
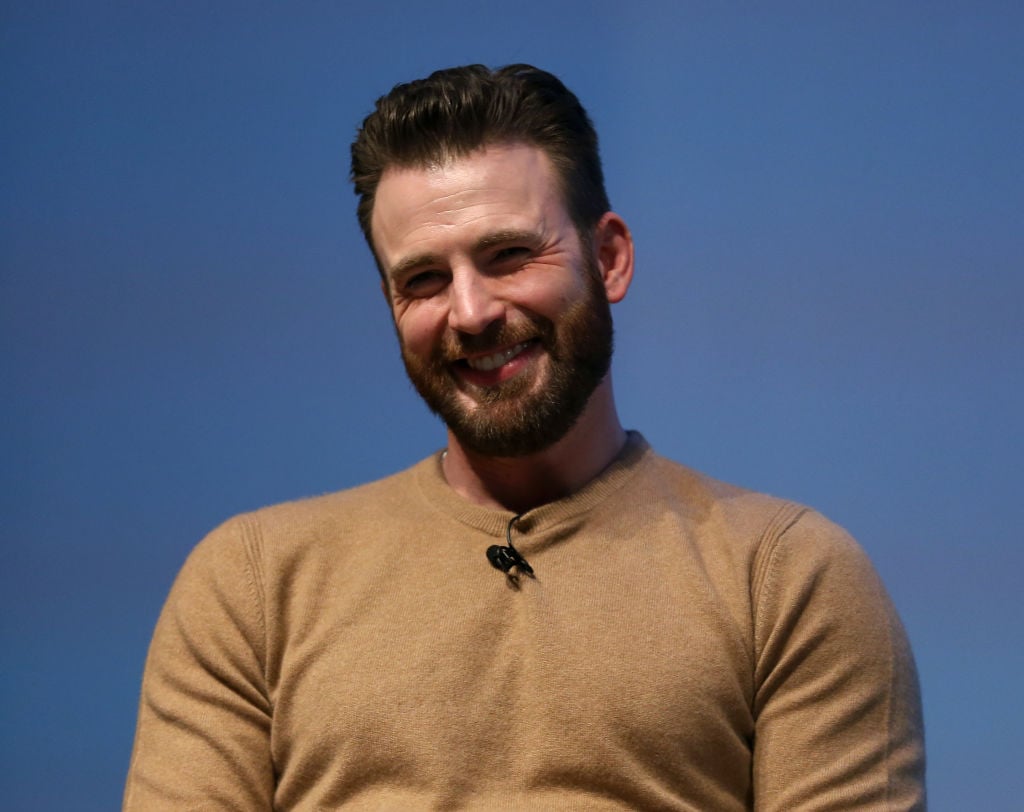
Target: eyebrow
x=411 y=263
x=495 y=238
x=504 y=237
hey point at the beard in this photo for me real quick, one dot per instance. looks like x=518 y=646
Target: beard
x=522 y=416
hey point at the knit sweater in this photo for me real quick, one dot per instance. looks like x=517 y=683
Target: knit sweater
x=684 y=645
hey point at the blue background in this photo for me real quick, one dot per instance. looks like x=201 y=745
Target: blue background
x=827 y=201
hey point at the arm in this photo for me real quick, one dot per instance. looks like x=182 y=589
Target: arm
x=837 y=705
x=203 y=734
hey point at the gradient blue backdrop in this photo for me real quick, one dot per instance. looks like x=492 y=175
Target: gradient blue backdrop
x=827 y=200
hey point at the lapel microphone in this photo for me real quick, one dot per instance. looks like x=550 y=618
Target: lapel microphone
x=504 y=558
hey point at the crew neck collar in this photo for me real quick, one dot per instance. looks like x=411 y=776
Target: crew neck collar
x=437 y=491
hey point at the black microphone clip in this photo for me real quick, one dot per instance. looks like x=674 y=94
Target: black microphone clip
x=507 y=557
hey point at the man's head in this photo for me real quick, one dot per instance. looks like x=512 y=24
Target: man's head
x=457 y=111
x=483 y=203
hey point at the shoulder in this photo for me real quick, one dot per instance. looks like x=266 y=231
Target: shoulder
x=811 y=551
x=278 y=532
x=730 y=513
x=778 y=540
x=367 y=502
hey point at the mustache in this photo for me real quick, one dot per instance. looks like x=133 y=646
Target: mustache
x=455 y=345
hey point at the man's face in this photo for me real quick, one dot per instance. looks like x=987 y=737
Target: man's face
x=501 y=314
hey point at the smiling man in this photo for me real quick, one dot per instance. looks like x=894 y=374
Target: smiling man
x=602 y=628
x=502 y=313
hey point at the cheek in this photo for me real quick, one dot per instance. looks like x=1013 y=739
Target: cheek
x=553 y=299
x=545 y=286
x=420 y=327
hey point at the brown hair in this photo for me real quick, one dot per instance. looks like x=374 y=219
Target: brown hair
x=458 y=110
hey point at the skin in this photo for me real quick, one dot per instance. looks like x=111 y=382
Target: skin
x=479 y=244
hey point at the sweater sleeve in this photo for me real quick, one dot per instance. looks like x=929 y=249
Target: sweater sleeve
x=203 y=734
x=837 y=704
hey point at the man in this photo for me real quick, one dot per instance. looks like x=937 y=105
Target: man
x=546 y=614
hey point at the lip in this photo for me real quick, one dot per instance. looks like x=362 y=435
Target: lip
x=485 y=362
x=501 y=373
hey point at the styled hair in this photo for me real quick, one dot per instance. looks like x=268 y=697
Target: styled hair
x=456 y=111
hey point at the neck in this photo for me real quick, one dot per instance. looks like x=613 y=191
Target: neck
x=521 y=483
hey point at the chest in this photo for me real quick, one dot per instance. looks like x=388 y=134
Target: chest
x=448 y=676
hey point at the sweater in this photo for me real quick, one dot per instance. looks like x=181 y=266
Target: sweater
x=683 y=645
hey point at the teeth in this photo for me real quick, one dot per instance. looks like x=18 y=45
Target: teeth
x=488 y=362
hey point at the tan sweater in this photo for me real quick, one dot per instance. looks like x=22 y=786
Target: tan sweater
x=684 y=645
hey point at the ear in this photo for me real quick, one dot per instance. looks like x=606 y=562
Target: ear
x=613 y=249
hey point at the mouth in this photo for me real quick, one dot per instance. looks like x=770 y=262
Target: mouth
x=486 y=363
x=498 y=366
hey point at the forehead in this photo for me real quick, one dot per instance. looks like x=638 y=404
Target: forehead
x=470 y=193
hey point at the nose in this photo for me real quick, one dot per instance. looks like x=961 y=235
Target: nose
x=472 y=304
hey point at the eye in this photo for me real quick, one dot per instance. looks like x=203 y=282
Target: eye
x=424 y=284
x=512 y=252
